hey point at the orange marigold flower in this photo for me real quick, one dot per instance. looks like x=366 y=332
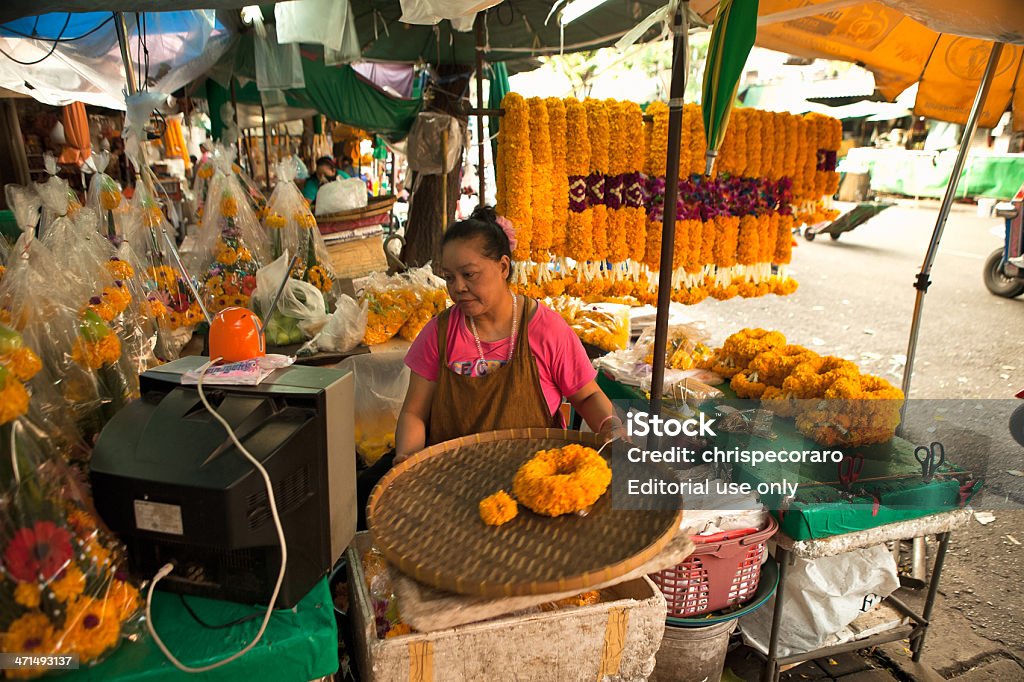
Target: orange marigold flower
x=498 y=509
x=562 y=481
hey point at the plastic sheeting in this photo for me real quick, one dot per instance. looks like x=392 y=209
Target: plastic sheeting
x=181 y=47
x=325 y=22
x=278 y=67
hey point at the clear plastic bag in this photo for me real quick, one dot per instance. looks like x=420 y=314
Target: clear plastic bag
x=231 y=246
x=292 y=228
x=389 y=303
x=343 y=331
x=381 y=382
x=686 y=348
x=341 y=195
x=106 y=199
x=435 y=143
x=300 y=312
x=603 y=325
x=431 y=296
x=62 y=589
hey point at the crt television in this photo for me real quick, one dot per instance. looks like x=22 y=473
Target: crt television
x=168 y=480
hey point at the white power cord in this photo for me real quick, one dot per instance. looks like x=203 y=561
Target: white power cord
x=167 y=568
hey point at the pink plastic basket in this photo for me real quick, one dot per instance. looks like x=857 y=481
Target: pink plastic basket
x=723 y=571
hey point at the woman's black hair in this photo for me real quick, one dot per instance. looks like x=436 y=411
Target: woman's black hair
x=482 y=223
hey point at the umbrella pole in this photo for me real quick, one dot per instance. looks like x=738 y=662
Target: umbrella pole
x=923 y=282
x=480 y=105
x=680 y=48
x=122 y=39
x=266 y=148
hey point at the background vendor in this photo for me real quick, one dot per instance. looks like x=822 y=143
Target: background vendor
x=494 y=360
x=325 y=172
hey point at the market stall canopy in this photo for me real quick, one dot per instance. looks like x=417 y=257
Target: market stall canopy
x=943 y=44
x=63 y=58
x=338 y=92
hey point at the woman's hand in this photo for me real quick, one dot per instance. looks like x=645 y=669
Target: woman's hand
x=411 y=431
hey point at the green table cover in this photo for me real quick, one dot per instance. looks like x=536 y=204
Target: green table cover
x=300 y=644
x=818 y=510
x=926 y=174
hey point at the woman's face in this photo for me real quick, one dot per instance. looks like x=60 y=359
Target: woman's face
x=475 y=282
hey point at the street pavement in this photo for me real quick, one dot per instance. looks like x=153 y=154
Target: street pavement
x=855 y=300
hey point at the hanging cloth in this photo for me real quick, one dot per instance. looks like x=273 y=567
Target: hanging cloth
x=78 y=146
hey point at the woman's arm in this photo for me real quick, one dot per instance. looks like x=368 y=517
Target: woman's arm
x=411 y=432
x=595 y=408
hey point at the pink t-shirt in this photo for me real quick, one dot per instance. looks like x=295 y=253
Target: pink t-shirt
x=562 y=363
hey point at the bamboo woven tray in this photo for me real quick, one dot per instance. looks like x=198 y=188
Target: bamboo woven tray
x=423 y=516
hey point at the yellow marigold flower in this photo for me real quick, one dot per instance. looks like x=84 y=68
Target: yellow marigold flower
x=109 y=199
x=276 y=221
x=97 y=354
x=22 y=362
x=244 y=254
x=156 y=309
x=97 y=552
x=226 y=255
x=120 y=269
x=27 y=595
x=205 y=171
x=118 y=297
x=229 y=206
x=498 y=509
x=398 y=630
x=92 y=628
x=152 y=216
x=32 y=633
x=562 y=481
x=13 y=400
x=69 y=585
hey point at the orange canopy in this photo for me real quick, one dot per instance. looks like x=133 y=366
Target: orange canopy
x=900 y=50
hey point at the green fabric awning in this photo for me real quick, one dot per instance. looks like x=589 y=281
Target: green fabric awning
x=338 y=92
x=498 y=75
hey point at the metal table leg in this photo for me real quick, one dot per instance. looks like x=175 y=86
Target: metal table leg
x=771 y=668
x=917 y=645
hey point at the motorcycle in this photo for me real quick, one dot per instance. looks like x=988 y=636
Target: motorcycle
x=1017 y=421
x=1004 y=268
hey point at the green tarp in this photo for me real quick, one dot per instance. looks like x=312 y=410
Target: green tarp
x=300 y=644
x=925 y=174
x=335 y=91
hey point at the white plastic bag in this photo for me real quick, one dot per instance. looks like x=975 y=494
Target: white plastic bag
x=822 y=597
x=381 y=381
x=343 y=331
x=341 y=195
x=428 y=12
x=300 y=312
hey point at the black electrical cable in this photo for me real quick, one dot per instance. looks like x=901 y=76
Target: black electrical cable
x=47 y=55
x=209 y=626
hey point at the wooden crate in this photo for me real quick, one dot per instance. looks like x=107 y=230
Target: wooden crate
x=357 y=257
x=619 y=638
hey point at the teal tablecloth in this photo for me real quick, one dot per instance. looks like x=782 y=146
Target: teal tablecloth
x=299 y=645
x=926 y=174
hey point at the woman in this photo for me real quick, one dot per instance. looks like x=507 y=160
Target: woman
x=494 y=360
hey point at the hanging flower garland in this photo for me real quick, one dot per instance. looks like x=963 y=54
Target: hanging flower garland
x=557 y=143
x=517 y=165
x=579 y=236
x=636 y=185
x=540 y=151
x=598 y=131
x=618 y=165
x=697 y=143
x=657 y=152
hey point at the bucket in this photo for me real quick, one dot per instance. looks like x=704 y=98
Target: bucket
x=693 y=654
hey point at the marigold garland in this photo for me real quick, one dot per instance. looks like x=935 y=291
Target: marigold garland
x=598 y=132
x=562 y=481
x=517 y=164
x=542 y=207
x=557 y=143
x=97 y=354
x=498 y=509
x=13 y=399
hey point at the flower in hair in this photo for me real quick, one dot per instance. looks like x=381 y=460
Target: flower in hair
x=506 y=226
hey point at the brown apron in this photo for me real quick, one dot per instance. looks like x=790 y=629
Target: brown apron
x=509 y=397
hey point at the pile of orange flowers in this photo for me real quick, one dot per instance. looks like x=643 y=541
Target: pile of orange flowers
x=562 y=480
x=833 y=403
x=498 y=509
x=387 y=310
x=432 y=301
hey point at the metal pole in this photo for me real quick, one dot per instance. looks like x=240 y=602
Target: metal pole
x=917 y=645
x=122 y=39
x=923 y=282
x=680 y=48
x=480 y=104
x=238 y=131
x=266 y=148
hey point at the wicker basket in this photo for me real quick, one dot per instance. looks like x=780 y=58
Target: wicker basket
x=424 y=517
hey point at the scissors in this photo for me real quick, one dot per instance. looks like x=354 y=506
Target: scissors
x=930 y=457
x=849 y=470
